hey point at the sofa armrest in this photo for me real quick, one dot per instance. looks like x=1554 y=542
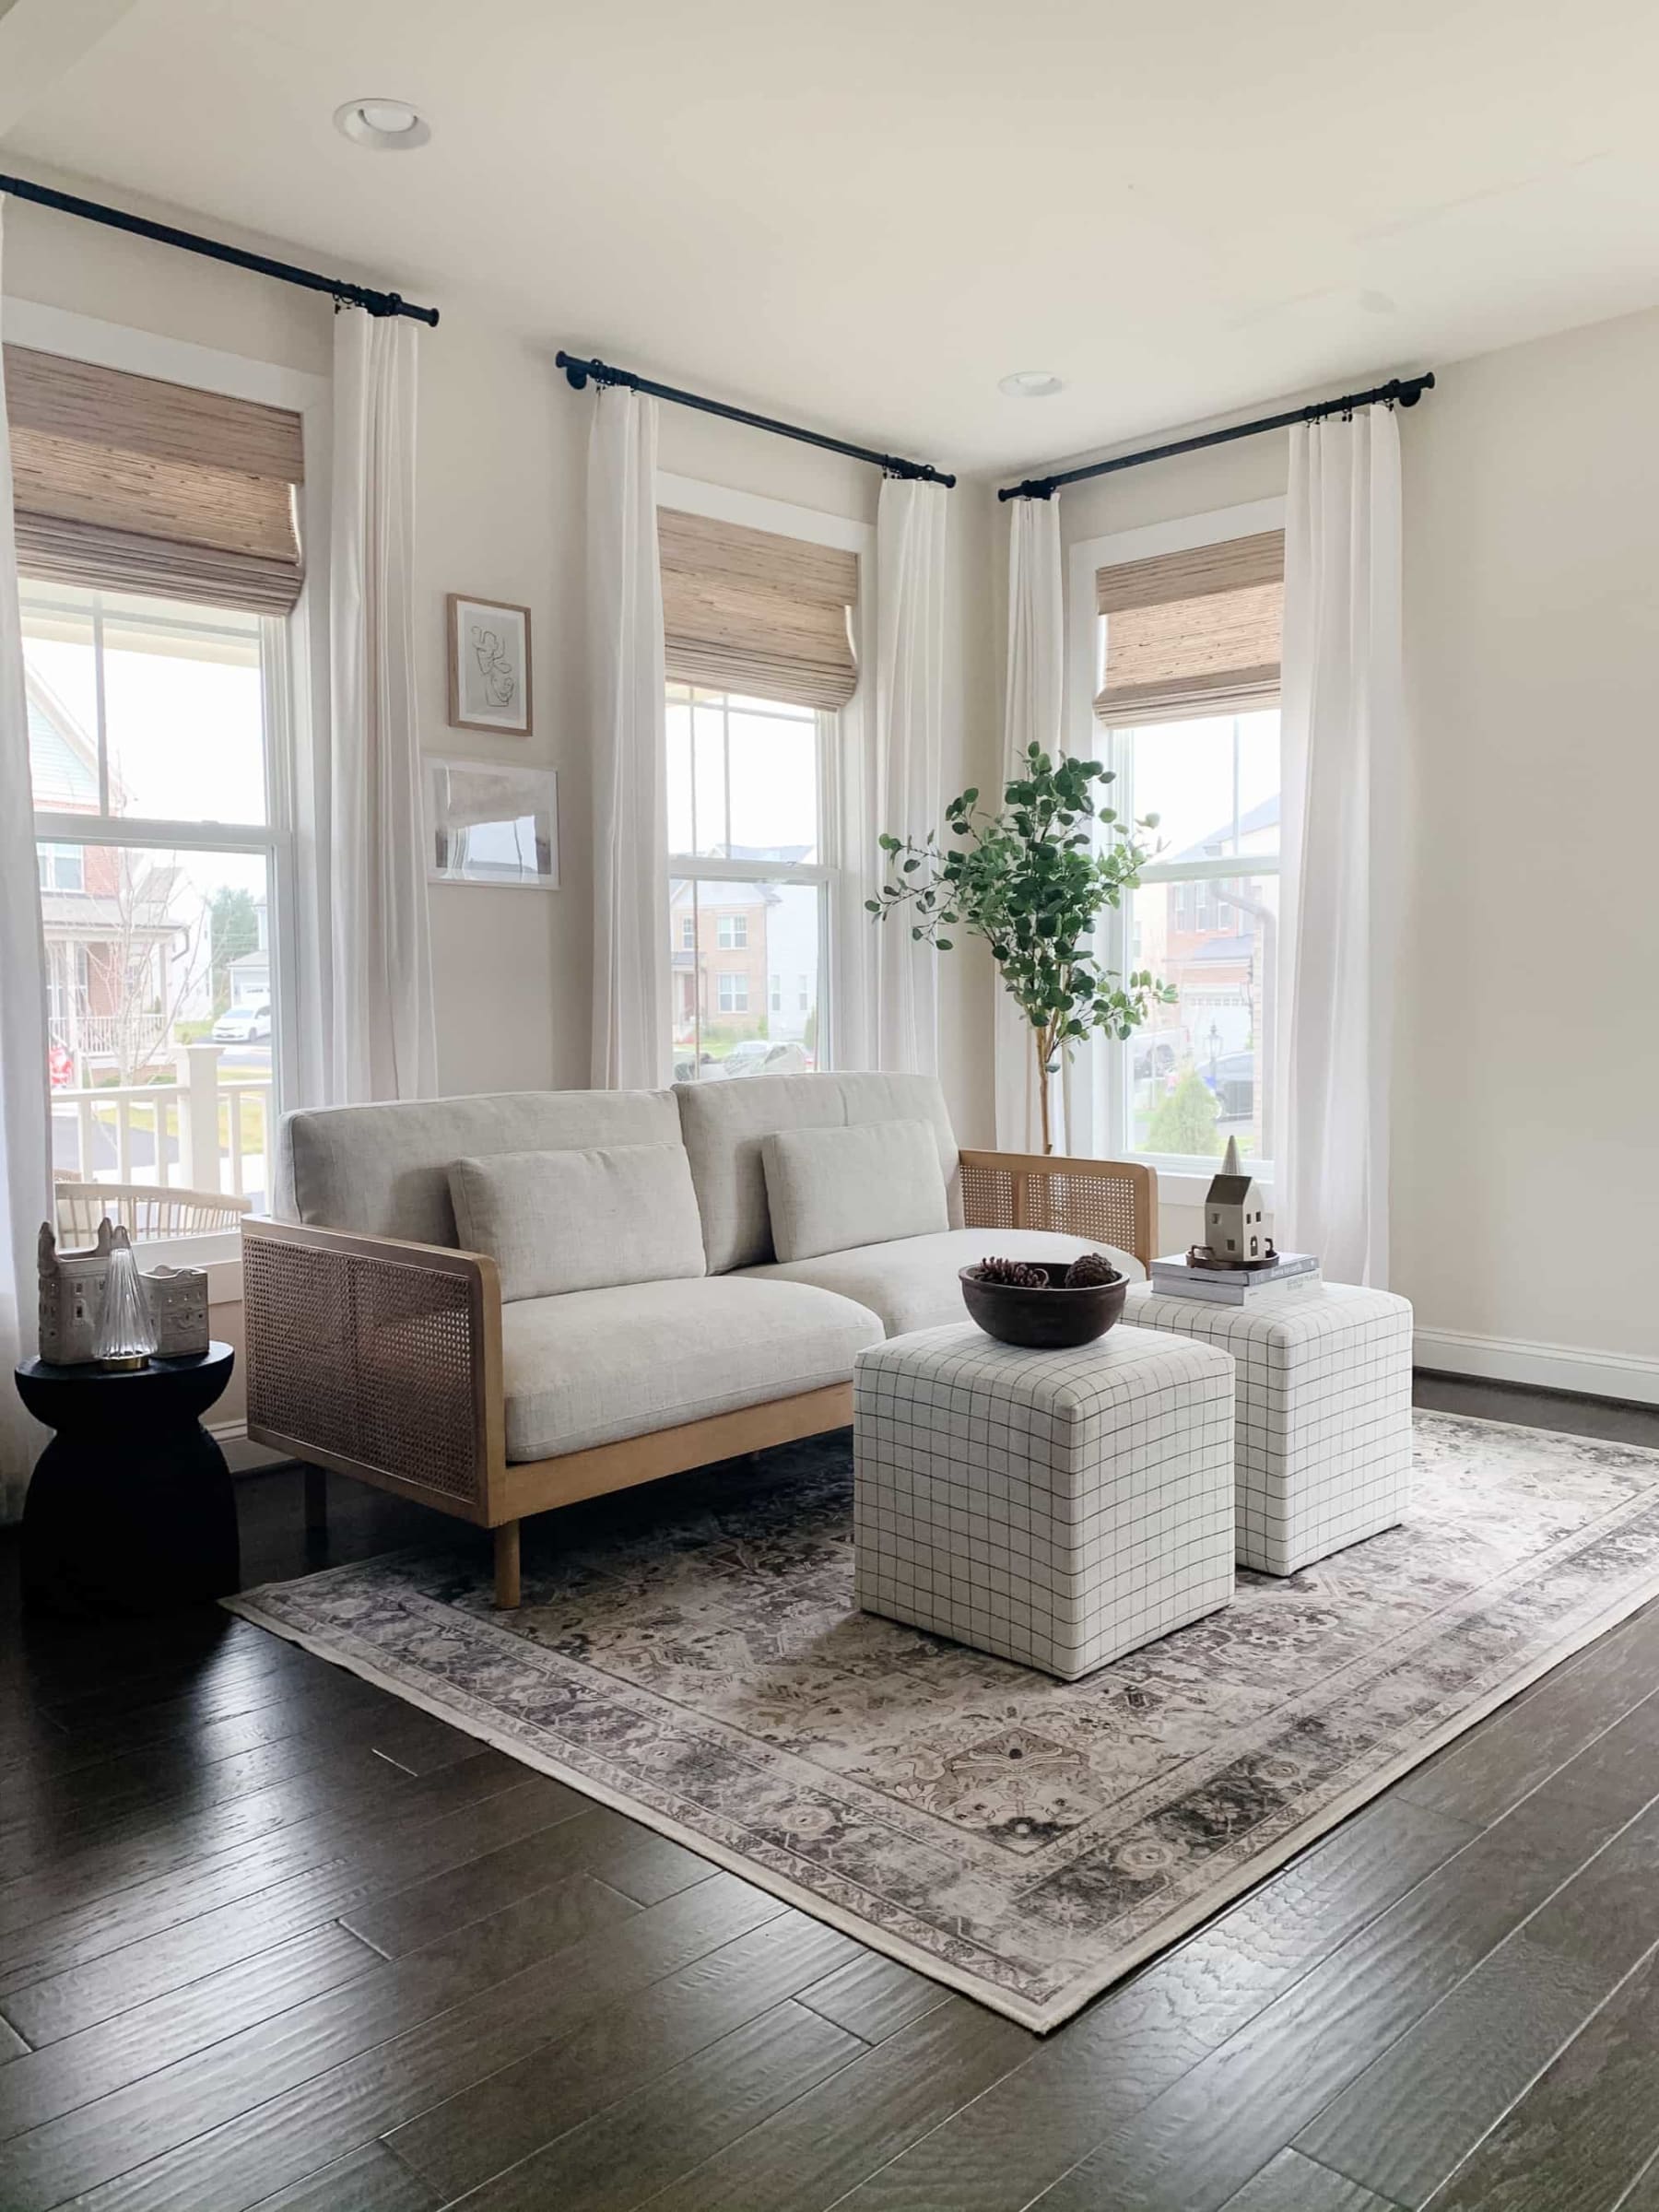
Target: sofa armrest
x=379 y=1358
x=1110 y=1201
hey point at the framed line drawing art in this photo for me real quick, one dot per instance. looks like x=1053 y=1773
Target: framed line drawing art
x=489 y=665
x=491 y=823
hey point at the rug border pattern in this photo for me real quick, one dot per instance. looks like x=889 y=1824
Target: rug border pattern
x=450 y=1702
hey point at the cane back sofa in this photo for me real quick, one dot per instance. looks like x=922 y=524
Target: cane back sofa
x=377 y=1346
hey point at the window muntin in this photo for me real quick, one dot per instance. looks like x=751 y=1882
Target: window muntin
x=163 y=863
x=1205 y=919
x=749 y=883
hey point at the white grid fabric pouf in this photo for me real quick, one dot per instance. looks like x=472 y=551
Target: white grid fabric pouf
x=1054 y=1508
x=1323 y=1433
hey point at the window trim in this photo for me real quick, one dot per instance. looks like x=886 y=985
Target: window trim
x=1097 y=1089
x=296 y=689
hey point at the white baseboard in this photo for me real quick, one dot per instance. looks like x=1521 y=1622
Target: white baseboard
x=1543 y=1366
x=242 y=1456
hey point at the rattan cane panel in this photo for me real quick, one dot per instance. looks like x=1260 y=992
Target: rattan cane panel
x=371 y=1360
x=1097 y=1206
x=297 y=1308
x=987 y=1197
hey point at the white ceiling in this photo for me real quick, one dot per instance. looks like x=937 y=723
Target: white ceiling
x=864 y=213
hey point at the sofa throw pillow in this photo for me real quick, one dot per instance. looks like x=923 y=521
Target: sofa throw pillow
x=556 y=1221
x=829 y=1189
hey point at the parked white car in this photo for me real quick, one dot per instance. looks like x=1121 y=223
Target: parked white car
x=243 y=1025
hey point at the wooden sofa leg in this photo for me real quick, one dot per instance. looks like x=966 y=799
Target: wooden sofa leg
x=316 y=1501
x=507 y=1566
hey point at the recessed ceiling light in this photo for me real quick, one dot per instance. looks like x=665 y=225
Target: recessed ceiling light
x=1032 y=383
x=388 y=127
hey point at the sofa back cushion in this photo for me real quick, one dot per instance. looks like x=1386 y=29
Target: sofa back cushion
x=588 y=1220
x=384 y=1170
x=726 y=1122
x=829 y=1189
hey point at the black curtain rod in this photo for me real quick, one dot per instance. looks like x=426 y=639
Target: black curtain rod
x=1402 y=391
x=580 y=374
x=164 y=234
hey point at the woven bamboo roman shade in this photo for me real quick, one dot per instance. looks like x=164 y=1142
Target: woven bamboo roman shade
x=1193 y=634
x=124 y=483
x=750 y=611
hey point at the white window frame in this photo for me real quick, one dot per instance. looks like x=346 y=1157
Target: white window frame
x=1100 y=1081
x=294 y=664
x=842 y=923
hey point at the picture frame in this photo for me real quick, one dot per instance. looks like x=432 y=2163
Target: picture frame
x=490 y=667
x=492 y=822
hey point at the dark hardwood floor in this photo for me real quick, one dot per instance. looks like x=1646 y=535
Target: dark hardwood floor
x=269 y=1937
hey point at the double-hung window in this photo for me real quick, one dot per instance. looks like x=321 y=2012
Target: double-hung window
x=760 y=661
x=1188 y=698
x=159 y=558
x=749 y=881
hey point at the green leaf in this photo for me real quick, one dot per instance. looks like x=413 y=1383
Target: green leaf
x=872 y=906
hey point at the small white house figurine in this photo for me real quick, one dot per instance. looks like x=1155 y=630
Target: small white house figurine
x=178 y=1304
x=72 y=1294
x=1232 y=1215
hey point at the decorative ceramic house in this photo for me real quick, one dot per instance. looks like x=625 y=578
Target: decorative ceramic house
x=178 y=1304
x=1232 y=1214
x=72 y=1294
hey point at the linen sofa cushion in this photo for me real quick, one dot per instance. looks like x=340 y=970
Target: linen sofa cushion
x=828 y=1188
x=384 y=1170
x=725 y=1122
x=911 y=1282
x=556 y=1221
x=598 y=1365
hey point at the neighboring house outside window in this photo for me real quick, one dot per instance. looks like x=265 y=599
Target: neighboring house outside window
x=734 y=994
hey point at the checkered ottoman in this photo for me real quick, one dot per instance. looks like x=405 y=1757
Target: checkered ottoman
x=1054 y=1508
x=1325 y=1413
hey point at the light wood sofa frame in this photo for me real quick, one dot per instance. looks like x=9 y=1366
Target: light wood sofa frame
x=380 y=1358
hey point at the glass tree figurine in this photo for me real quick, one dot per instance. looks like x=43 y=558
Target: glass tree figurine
x=126 y=1335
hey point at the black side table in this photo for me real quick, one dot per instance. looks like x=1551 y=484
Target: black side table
x=129 y=1509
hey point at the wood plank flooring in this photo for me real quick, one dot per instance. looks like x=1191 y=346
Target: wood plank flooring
x=270 y=1938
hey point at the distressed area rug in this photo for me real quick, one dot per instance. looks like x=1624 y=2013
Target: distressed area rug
x=690 y=1654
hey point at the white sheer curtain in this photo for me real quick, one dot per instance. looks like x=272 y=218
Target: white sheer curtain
x=630 y=747
x=908 y=749
x=1032 y=714
x=380 y=1036
x=25 y=1124
x=1340 y=890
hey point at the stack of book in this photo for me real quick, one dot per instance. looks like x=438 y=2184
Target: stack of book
x=1177 y=1278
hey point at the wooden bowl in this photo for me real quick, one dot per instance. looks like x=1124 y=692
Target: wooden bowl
x=1043 y=1321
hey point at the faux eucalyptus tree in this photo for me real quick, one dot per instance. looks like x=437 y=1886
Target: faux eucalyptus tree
x=1034 y=880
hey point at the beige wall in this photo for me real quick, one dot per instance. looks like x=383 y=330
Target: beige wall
x=1524 y=1205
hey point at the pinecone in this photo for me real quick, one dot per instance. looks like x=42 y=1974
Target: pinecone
x=1092 y=1269
x=1014 y=1273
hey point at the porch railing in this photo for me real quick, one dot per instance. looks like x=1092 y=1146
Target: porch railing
x=107 y=1036
x=199 y=1132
